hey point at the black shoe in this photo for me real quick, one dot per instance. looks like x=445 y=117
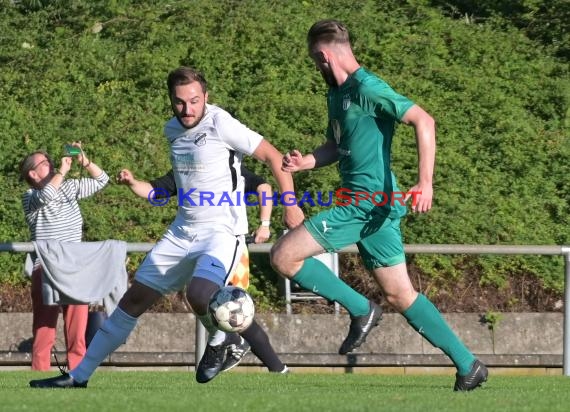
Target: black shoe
x=360 y=327
x=235 y=354
x=211 y=363
x=61 y=381
x=475 y=378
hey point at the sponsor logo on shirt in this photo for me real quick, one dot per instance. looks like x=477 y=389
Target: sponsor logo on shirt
x=345 y=102
x=335 y=125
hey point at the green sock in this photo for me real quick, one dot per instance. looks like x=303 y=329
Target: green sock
x=319 y=279
x=424 y=317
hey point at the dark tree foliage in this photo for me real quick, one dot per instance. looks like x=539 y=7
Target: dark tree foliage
x=547 y=21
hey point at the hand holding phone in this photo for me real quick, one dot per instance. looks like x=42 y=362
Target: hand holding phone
x=71 y=150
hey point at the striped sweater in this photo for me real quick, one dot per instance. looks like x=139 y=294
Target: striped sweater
x=54 y=213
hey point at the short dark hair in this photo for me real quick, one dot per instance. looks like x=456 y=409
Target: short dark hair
x=328 y=31
x=28 y=164
x=185 y=75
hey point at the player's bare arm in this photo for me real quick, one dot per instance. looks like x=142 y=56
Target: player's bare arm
x=424 y=126
x=262 y=233
x=138 y=187
x=292 y=216
x=323 y=155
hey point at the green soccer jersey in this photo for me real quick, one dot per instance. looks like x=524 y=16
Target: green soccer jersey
x=363 y=113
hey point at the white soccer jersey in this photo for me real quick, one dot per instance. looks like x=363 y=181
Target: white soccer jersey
x=206 y=161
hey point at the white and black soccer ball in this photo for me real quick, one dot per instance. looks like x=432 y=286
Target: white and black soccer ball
x=232 y=309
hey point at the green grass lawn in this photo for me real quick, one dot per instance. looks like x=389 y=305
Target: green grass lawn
x=234 y=391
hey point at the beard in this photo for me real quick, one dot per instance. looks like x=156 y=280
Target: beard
x=189 y=122
x=329 y=78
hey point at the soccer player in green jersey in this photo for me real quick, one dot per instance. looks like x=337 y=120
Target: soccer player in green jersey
x=363 y=111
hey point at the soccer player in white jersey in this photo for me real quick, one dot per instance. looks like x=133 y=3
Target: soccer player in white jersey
x=165 y=186
x=202 y=245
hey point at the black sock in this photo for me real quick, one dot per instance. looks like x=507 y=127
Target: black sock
x=261 y=347
x=232 y=338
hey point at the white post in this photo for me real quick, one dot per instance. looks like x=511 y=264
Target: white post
x=201 y=341
x=566 y=330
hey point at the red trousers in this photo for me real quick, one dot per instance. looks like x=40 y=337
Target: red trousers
x=44 y=328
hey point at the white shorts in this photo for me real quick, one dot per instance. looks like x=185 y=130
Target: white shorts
x=183 y=253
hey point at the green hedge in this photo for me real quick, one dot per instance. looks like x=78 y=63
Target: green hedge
x=95 y=71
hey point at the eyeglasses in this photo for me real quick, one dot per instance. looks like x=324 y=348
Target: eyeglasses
x=39 y=164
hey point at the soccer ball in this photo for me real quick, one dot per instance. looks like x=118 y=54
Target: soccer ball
x=231 y=309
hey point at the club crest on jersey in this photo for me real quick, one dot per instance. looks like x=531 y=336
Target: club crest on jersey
x=345 y=102
x=200 y=139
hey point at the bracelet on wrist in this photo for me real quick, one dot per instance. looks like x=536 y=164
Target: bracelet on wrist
x=265 y=223
x=59 y=173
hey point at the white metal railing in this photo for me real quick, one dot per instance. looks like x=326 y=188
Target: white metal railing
x=27 y=247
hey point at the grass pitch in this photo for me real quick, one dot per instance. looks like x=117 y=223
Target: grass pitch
x=234 y=391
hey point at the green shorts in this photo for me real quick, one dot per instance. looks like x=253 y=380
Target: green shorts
x=377 y=237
